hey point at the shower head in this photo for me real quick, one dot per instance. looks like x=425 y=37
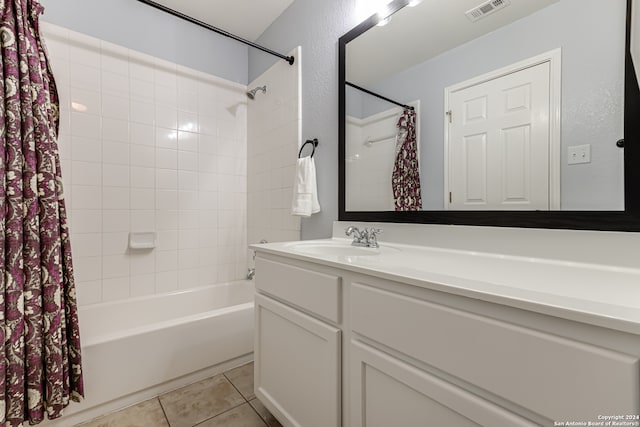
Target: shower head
x=252 y=93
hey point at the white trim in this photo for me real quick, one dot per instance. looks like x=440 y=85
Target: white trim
x=554 y=58
x=555 y=127
x=76 y=413
x=445 y=160
x=635 y=36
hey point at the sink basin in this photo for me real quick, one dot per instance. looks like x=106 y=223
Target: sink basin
x=337 y=248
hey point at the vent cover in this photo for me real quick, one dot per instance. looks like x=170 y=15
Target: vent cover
x=486 y=8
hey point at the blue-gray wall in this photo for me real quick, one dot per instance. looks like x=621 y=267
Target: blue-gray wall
x=315 y=25
x=137 y=26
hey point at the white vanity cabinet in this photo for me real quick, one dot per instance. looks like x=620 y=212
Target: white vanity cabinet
x=423 y=355
x=344 y=346
x=298 y=343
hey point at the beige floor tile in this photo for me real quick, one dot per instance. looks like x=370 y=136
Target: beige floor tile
x=242 y=416
x=242 y=379
x=198 y=402
x=145 y=414
x=264 y=413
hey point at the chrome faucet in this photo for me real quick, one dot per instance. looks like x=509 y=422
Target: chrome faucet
x=357 y=235
x=372 y=239
x=367 y=237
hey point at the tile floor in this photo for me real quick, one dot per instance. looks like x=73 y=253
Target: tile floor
x=226 y=400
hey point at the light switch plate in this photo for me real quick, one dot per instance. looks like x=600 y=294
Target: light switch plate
x=579 y=154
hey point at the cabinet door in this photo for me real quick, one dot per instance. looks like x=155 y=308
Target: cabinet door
x=388 y=392
x=525 y=366
x=297 y=366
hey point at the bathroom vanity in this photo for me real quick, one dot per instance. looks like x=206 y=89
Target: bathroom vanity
x=408 y=335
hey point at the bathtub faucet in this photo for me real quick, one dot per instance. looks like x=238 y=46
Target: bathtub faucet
x=252 y=271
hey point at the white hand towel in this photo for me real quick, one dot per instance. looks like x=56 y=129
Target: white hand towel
x=305 y=190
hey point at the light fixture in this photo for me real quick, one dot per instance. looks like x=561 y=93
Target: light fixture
x=366 y=8
x=383 y=21
x=384 y=15
x=414 y=3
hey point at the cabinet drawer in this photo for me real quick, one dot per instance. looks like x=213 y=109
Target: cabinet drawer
x=552 y=376
x=388 y=392
x=319 y=293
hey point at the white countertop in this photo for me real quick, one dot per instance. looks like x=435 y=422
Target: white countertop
x=602 y=295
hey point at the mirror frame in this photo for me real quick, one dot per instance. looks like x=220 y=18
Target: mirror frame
x=627 y=220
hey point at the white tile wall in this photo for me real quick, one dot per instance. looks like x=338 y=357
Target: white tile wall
x=148 y=145
x=274 y=135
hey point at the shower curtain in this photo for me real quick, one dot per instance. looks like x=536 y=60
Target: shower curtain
x=40 y=365
x=405 y=179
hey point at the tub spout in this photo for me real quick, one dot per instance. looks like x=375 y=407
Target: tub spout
x=251 y=273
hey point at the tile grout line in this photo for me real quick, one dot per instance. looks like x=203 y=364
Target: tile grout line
x=224 y=412
x=188 y=385
x=163 y=410
x=234 y=386
x=224 y=374
x=264 y=421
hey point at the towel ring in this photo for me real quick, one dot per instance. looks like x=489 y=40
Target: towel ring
x=313 y=142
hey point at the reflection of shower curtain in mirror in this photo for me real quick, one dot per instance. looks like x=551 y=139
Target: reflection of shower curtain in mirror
x=405 y=179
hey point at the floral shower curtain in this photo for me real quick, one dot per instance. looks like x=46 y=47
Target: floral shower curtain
x=40 y=365
x=405 y=179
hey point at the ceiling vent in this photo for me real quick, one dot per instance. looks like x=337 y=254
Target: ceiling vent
x=486 y=8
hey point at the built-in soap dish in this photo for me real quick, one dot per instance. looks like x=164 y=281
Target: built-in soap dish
x=142 y=240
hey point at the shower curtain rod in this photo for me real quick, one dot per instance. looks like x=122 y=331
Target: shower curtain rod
x=289 y=59
x=409 y=107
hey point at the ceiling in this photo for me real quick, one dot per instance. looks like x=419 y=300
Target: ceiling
x=245 y=18
x=431 y=28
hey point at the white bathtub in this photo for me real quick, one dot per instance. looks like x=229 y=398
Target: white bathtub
x=136 y=349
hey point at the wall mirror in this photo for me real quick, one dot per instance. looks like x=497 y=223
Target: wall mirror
x=522 y=114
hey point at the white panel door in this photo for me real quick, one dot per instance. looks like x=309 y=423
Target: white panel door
x=499 y=141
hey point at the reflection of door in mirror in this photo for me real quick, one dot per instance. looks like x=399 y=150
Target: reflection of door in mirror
x=502 y=141
x=370 y=154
